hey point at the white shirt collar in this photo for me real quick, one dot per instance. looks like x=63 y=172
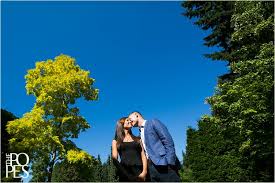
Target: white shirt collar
x=143 y=124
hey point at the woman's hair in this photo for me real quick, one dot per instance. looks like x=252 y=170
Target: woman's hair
x=120 y=134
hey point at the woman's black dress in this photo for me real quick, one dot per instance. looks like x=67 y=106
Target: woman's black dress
x=130 y=165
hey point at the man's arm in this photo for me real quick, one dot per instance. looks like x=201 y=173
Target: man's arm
x=166 y=140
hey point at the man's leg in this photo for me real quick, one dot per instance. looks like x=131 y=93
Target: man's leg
x=154 y=175
x=148 y=177
x=171 y=176
x=165 y=174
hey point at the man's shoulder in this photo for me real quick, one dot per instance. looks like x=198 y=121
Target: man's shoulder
x=153 y=122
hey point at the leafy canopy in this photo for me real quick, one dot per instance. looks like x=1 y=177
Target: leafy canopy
x=46 y=130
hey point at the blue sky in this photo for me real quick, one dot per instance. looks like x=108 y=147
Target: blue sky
x=144 y=56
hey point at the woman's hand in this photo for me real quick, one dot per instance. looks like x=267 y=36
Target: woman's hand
x=142 y=176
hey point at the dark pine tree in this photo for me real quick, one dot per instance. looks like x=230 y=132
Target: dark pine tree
x=214 y=16
x=109 y=171
x=236 y=142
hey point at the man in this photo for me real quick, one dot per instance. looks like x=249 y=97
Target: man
x=159 y=148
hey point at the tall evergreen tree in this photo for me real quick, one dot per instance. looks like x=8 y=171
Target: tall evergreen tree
x=186 y=172
x=252 y=107
x=214 y=16
x=211 y=153
x=236 y=142
x=109 y=171
x=98 y=174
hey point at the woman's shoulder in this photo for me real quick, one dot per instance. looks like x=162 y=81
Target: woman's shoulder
x=114 y=141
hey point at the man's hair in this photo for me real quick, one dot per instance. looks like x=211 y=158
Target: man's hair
x=134 y=112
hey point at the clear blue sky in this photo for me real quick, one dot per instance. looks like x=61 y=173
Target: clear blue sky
x=144 y=56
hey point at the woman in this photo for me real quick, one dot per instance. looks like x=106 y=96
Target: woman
x=133 y=162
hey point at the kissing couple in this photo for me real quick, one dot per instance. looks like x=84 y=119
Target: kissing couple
x=150 y=157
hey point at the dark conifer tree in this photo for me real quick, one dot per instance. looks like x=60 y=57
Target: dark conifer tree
x=235 y=142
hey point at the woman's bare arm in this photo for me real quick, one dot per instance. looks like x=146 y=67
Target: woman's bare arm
x=114 y=150
x=144 y=161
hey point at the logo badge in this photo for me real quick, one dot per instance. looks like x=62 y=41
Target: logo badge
x=14 y=167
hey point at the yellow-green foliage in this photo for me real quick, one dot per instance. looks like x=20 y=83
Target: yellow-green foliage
x=32 y=131
x=48 y=127
x=75 y=156
x=56 y=83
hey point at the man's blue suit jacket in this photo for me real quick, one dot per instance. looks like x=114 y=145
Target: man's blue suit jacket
x=159 y=143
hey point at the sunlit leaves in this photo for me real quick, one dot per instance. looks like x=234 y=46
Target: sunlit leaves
x=54 y=119
x=74 y=156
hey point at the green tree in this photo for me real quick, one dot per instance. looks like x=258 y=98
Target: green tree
x=214 y=16
x=109 y=171
x=185 y=172
x=251 y=108
x=211 y=153
x=74 y=169
x=47 y=129
x=98 y=170
x=238 y=136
